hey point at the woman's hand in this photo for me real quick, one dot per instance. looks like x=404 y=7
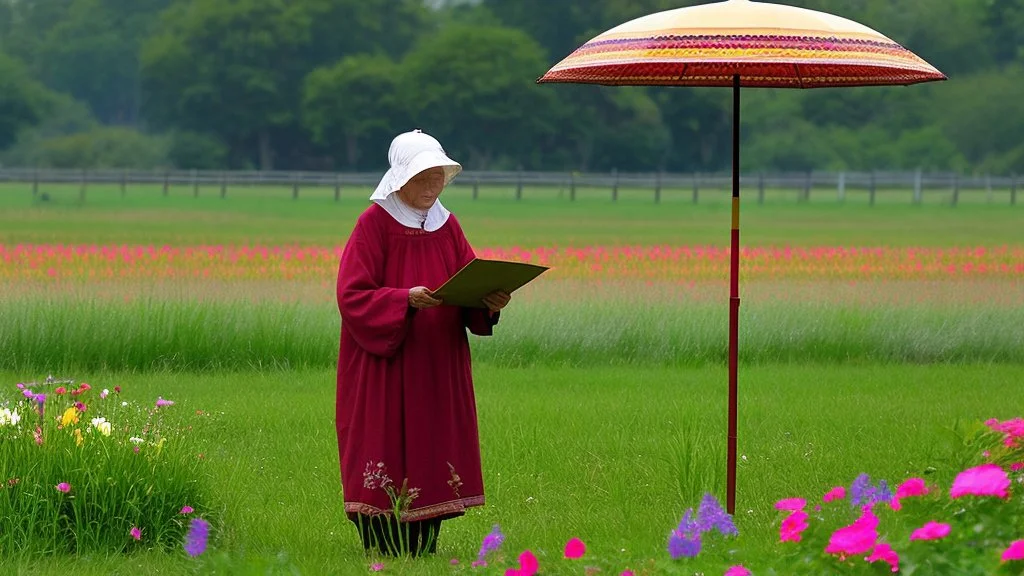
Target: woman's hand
x=497 y=300
x=421 y=297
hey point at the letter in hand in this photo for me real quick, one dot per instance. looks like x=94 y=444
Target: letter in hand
x=497 y=300
x=421 y=297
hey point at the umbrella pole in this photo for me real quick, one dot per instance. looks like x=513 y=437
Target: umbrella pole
x=734 y=297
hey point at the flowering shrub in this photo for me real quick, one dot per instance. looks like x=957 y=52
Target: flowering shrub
x=83 y=469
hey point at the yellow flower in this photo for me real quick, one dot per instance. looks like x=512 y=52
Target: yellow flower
x=70 y=416
x=104 y=428
x=78 y=437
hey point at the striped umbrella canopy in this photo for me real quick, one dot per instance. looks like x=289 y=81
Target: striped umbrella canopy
x=741 y=43
x=766 y=45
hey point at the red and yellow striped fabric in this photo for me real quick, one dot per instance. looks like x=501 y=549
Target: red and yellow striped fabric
x=767 y=45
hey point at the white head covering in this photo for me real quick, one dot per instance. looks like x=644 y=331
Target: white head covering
x=410 y=154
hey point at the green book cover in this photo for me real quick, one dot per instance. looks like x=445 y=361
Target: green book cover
x=481 y=277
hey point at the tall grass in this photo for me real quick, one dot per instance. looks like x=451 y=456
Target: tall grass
x=150 y=333
x=611 y=455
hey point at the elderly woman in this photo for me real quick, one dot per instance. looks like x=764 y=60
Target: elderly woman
x=406 y=413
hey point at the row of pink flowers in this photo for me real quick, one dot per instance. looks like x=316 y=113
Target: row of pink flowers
x=62 y=261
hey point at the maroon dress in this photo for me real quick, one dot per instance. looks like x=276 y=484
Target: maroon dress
x=406 y=410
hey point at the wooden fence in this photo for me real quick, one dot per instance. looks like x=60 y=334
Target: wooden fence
x=692 y=187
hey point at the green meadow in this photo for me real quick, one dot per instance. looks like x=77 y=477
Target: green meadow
x=602 y=404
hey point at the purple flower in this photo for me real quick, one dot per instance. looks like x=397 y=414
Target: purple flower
x=882 y=492
x=863 y=493
x=195 y=540
x=27 y=393
x=685 y=539
x=710 y=515
x=491 y=543
x=160 y=402
x=680 y=545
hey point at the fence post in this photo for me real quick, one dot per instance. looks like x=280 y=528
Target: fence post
x=337 y=187
x=124 y=182
x=988 y=188
x=476 y=188
x=35 y=182
x=917 y=186
x=760 y=187
x=572 y=186
x=696 y=187
x=81 y=189
x=195 y=184
x=295 y=187
x=807 y=186
x=841 y=187
x=615 y=184
x=519 y=185
x=1013 y=189
x=871 y=191
x=167 y=181
x=223 y=184
x=956 y=188
x=657 y=187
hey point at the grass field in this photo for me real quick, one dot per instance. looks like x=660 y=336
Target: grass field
x=602 y=395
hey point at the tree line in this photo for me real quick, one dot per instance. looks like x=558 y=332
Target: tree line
x=325 y=85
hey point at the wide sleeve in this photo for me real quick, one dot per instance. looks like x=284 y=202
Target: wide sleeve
x=479 y=321
x=377 y=317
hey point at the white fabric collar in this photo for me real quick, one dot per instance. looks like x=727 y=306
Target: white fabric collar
x=429 y=220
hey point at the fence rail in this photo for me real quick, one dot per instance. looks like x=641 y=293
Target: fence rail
x=921 y=183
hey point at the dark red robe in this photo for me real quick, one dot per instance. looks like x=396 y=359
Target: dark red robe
x=405 y=388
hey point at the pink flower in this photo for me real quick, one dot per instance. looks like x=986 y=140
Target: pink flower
x=886 y=554
x=1016 y=466
x=626 y=573
x=1014 y=552
x=60 y=390
x=63 y=487
x=136 y=533
x=984 y=480
x=527 y=565
x=793 y=526
x=377 y=567
x=911 y=487
x=575 y=548
x=857 y=538
x=837 y=493
x=791 y=504
x=187 y=510
x=931 y=531
x=160 y=402
x=737 y=570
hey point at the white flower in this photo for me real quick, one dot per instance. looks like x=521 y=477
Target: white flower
x=104 y=393
x=15 y=418
x=5 y=417
x=135 y=440
x=104 y=428
x=97 y=421
x=124 y=403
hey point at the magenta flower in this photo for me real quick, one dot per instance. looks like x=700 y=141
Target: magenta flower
x=80 y=407
x=1016 y=466
x=792 y=526
x=527 y=565
x=911 y=487
x=883 y=552
x=857 y=538
x=63 y=487
x=187 y=510
x=160 y=402
x=491 y=543
x=136 y=533
x=1015 y=551
x=737 y=570
x=791 y=504
x=195 y=540
x=575 y=548
x=984 y=480
x=376 y=567
x=931 y=531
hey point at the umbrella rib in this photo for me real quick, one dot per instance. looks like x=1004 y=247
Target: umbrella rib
x=683 y=73
x=796 y=68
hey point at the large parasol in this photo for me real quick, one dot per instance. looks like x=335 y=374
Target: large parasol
x=741 y=43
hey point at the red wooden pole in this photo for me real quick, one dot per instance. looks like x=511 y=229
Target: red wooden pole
x=734 y=298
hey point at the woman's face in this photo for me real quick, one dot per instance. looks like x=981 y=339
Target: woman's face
x=422 y=190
